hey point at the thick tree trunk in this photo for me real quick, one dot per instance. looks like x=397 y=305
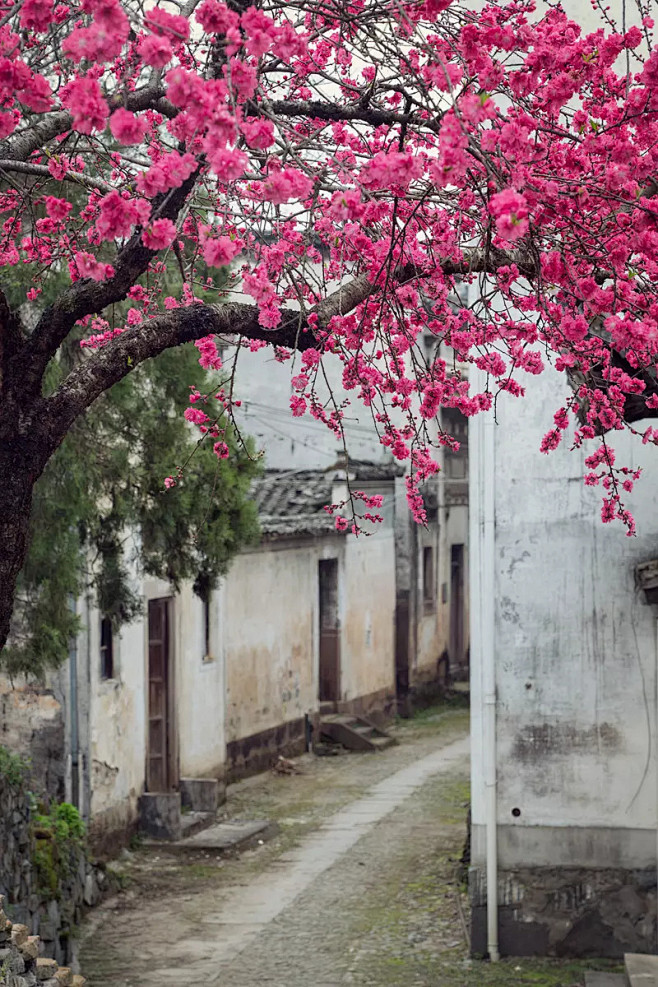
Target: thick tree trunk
x=16 y=486
x=24 y=451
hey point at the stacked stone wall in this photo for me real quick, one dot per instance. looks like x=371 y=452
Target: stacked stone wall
x=21 y=964
x=49 y=909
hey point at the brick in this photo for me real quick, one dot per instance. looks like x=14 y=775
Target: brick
x=46 y=968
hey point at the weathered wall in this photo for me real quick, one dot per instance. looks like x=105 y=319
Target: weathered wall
x=200 y=696
x=575 y=650
x=119 y=709
x=32 y=725
x=368 y=618
x=117 y=717
x=269 y=636
x=49 y=912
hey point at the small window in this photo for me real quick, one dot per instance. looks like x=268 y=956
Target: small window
x=206 y=628
x=428 y=578
x=107 y=649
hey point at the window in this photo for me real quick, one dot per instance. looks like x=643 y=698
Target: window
x=107 y=649
x=206 y=627
x=428 y=579
x=209 y=631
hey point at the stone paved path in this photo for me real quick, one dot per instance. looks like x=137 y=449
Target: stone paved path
x=307 y=918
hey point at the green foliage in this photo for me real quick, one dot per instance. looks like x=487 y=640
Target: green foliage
x=57 y=834
x=12 y=767
x=106 y=481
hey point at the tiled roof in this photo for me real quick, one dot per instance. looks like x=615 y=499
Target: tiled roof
x=291 y=502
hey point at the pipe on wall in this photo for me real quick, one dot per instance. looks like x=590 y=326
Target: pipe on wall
x=488 y=589
x=482 y=619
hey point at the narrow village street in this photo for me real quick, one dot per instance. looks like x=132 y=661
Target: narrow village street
x=361 y=885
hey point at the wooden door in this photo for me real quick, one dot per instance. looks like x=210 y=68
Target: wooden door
x=329 y=631
x=160 y=756
x=456 y=605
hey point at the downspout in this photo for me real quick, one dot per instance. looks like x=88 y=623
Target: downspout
x=73 y=707
x=487 y=645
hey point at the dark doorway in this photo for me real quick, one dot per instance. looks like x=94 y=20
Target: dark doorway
x=402 y=652
x=329 y=631
x=161 y=774
x=457 y=606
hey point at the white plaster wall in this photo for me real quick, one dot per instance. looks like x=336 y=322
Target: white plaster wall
x=269 y=638
x=200 y=699
x=575 y=644
x=368 y=637
x=117 y=717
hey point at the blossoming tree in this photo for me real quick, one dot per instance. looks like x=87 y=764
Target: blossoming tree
x=351 y=160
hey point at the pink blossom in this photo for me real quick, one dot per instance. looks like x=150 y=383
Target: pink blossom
x=221 y=450
x=155 y=50
x=163 y=23
x=220 y=251
x=83 y=97
x=126 y=127
x=118 y=215
x=510 y=211
x=228 y=163
x=57 y=209
x=160 y=234
x=89 y=267
x=215 y=17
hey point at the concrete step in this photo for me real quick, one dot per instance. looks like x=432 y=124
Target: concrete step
x=195 y=822
x=641 y=970
x=596 y=978
x=355 y=733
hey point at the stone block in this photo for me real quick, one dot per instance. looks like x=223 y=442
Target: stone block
x=46 y=968
x=64 y=977
x=30 y=948
x=160 y=815
x=78 y=981
x=200 y=794
x=19 y=934
x=16 y=963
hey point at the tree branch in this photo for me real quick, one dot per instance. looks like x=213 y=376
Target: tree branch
x=20 y=146
x=87 y=297
x=27 y=168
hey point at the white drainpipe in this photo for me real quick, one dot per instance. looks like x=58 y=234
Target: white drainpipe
x=483 y=588
x=487 y=644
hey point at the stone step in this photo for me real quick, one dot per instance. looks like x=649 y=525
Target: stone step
x=597 y=978
x=641 y=970
x=195 y=822
x=356 y=733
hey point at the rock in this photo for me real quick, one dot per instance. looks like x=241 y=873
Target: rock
x=19 y=934
x=64 y=977
x=16 y=963
x=30 y=948
x=46 y=968
x=78 y=981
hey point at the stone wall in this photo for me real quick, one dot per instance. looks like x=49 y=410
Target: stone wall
x=51 y=912
x=32 y=724
x=568 y=911
x=20 y=962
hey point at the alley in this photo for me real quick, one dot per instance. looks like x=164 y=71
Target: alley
x=362 y=885
x=303 y=909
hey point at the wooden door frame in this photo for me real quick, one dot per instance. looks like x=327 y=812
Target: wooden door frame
x=337 y=676
x=172 y=760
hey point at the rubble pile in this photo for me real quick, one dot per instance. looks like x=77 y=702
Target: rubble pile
x=20 y=962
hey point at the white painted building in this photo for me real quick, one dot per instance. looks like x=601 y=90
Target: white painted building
x=564 y=693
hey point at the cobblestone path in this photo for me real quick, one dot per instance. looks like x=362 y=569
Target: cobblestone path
x=308 y=915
